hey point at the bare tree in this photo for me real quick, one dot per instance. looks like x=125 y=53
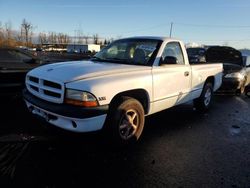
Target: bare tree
x=26 y=31
x=60 y=37
x=86 y=39
x=67 y=39
x=1 y=34
x=8 y=33
x=95 y=38
x=52 y=38
x=30 y=38
x=79 y=36
x=63 y=39
x=43 y=38
x=19 y=38
x=105 y=41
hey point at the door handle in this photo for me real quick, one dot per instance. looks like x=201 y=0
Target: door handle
x=186 y=73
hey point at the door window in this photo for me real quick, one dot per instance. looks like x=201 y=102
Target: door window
x=173 y=49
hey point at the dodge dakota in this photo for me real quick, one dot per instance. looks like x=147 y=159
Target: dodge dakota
x=127 y=80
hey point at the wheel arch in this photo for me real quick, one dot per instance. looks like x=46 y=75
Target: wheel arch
x=139 y=94
x=211 y=80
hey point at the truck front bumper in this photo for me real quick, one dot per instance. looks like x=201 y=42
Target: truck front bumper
x=71 y=118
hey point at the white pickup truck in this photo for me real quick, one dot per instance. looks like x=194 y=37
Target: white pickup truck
x=119 y=86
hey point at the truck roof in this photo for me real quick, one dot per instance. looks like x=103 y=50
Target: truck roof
x=151 y=37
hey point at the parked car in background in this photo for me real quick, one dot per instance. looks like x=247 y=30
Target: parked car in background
x=247 y=90
x=14 y=64
x=196 y=55
x=235 y=75
x=246 y=62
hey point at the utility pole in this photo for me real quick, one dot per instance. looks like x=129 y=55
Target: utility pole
x=74 y=39
x=171 y=28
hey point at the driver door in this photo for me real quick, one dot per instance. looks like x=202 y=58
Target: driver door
x=171 y=81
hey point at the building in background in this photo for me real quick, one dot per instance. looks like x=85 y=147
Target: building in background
x=193 y=45
x=83 y=48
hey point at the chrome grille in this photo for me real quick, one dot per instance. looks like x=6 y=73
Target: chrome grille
x=45 y=89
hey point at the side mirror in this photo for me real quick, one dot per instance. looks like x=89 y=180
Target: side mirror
x=169 y=60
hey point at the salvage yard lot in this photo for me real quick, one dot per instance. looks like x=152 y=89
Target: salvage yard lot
x=179 y=148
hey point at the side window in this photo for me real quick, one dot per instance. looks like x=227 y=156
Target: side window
x=173 y=49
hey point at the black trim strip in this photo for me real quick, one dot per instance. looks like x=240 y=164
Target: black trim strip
x=175 y=95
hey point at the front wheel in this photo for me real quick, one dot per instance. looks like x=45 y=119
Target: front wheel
x=204 y=101
x=240 y=91
x=126 y=121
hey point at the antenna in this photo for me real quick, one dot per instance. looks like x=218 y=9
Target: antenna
x=171 y=28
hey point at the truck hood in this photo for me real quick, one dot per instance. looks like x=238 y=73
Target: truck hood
x=231 y=68
x=225 y=55
x=77 y=70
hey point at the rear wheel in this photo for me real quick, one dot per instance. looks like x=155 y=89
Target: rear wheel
x=204 y=101
x=247 y=92
x=126 y=121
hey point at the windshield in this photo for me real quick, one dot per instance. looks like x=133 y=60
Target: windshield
x=130 y=51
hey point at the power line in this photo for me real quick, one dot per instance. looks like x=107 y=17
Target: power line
x=218 y=26
x=177 y=23
x=220 y=40
x=142 y=29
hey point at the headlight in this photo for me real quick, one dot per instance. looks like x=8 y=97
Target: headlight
x=235 y=75
x=80 y=98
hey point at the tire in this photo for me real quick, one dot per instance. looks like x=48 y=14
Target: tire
x=240 y=91
x=203 y=103
x=247 y=93
x=242 y=88
x=125 y=121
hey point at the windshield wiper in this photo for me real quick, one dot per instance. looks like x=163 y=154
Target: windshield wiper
x=118 y=60
x=94 y=58
x=112 y=60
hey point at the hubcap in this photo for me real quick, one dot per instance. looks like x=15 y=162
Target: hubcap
x=242 y=89
x=207 y=97
x=129 y=124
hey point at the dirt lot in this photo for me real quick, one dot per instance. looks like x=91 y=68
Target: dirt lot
x=179 y=148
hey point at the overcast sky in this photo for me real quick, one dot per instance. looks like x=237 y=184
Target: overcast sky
x=201 y=21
